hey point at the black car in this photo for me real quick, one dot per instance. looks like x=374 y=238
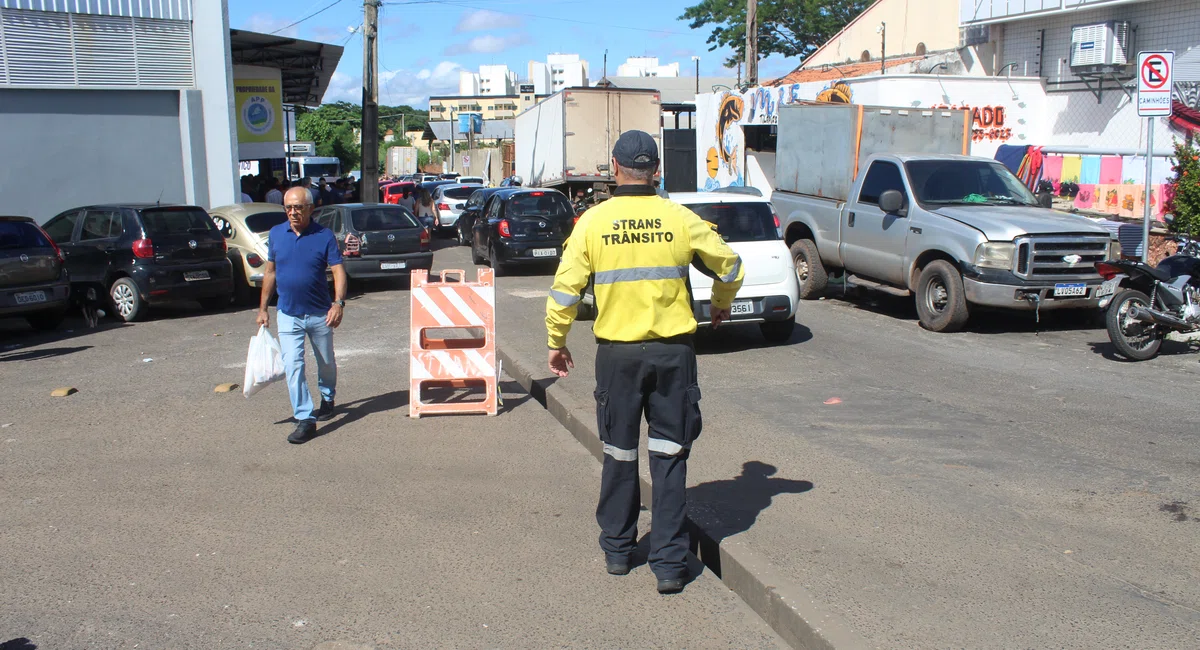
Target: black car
x=34 y=283
x=471 y=211
x=144 y=254
x=522 y=226
x=378 y=241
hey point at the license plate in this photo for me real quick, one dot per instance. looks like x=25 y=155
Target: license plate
x=392 y=266
x=1108 y=288
x=30 y=297
x=1069 y=290
x=544 y=252
x=742 y=308
x=192 y=276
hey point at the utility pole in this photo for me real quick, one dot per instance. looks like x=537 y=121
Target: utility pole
x=752 y=43
x=697 y=60
x=370 y=103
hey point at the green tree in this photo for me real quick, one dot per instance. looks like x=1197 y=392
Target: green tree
x=1184 y=190
x=793 y=28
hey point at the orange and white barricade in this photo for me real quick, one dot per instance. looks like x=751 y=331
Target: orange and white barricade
x=443 y=362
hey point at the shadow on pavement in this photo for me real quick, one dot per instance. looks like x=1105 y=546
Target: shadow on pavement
x=728 y=507
x=1169 y=349
x=352 y=412
x=18 y=644
x=41 y=353
x=14 y=333
x=739 y=338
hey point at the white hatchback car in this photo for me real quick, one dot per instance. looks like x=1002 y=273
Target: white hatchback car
x=449 y=200
x=771 y=290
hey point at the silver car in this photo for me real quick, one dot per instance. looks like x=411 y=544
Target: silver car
x=448 y=202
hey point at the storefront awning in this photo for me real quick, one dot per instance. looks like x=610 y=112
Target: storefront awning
x=305 y=66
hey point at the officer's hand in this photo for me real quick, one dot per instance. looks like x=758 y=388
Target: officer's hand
x=719 y=316
x=561 y=362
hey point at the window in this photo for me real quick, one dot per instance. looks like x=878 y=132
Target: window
x=493 y=209
x=101 y=224
x=882 y=176
x=967 y=182
x=264 y=221
x=61 y=228
x=383 y=218
x=176 y=220
x=739 y=222
x=541 y=204
x=19 y=234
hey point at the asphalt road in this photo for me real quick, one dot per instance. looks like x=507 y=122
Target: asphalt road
x=147 y=511
x=1009 y=486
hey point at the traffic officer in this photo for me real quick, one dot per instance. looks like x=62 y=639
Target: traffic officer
x=636 y=247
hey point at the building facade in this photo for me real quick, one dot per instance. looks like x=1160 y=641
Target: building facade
x=492 y=107
x=560 y=71
x=493 y=80
x=646 y=66
x=910 y=27
x=108 y=97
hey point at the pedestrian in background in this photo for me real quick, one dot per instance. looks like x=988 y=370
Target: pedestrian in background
x=637 y=247
x=299 y=251
x=274 y=195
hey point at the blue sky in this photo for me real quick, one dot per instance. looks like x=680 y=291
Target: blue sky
x=424 y=43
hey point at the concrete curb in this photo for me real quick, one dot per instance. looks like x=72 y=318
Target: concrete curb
x=789 y=609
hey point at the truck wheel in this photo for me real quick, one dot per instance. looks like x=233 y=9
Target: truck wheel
x=941 y=300
x=809 y=270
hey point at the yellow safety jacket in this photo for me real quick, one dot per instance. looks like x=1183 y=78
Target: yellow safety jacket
x=638 y=246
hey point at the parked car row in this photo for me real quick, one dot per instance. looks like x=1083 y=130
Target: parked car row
x=129 y=258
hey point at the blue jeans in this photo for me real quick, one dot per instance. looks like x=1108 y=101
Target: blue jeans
x=292 y=330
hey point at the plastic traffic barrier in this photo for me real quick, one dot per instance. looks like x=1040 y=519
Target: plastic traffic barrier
x=453 y=342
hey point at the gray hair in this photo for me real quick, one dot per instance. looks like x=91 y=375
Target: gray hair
x=637 y=175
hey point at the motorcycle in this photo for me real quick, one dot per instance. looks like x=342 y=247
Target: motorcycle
x=1153 y=301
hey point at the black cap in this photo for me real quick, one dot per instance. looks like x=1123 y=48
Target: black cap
x=636 y=150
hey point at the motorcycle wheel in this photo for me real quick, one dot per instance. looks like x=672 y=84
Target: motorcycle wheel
x=1134 y=340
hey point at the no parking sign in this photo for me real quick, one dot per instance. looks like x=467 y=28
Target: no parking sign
x=1154 y=83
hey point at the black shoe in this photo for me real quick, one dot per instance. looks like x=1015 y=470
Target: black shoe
x=304 y=432
x=326 y=412
x=618 y=567
x=671 y=585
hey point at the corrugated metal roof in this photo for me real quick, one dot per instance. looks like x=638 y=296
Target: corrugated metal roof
x=167 y=9
x=305 y=67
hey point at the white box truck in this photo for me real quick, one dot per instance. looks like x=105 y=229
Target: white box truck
x=401 y=161
x=565 y=142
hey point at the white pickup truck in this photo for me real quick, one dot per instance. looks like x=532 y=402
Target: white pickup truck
x=954 y=230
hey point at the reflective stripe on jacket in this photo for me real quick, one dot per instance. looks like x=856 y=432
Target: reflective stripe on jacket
x=639 y=246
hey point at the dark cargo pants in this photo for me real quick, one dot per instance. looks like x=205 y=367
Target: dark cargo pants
x=658 y=379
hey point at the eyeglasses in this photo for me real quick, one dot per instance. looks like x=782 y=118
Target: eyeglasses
x=293 y=208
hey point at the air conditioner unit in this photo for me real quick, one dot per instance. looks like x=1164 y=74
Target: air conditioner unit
x=1103 y=44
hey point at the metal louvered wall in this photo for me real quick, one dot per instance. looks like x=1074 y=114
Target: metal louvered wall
x=166 y=9
x=48 y=48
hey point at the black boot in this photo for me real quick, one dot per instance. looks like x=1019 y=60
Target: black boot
x=304 y=432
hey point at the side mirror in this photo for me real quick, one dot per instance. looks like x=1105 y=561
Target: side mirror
x=892 y=202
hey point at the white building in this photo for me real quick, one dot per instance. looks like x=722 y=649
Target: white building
x=560 y=71
x=491 y=80
x=646 y=66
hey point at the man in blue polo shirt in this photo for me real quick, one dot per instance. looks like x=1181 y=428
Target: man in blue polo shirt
x=298 y=253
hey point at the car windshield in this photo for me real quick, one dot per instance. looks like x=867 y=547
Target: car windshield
x=381 y=218
x=739 y=222
x=21 y=234
x=459 y=192
x=172 y=221
x=315 y=170
x=264 y=221
x=540 y=204
x=966 y=182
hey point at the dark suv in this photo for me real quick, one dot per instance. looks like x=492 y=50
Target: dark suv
x=522 y=226
x=33 y=275
x=144 y=255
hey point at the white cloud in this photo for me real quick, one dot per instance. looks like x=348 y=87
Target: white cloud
x=266 y=23
x=484 y=20
x=400 y=87
x=487 y=44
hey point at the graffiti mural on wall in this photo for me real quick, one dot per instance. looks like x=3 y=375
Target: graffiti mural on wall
x=987 y=122
x=721 y=116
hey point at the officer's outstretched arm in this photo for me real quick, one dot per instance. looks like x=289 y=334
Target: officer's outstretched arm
x=569 y=283
x=714 y=253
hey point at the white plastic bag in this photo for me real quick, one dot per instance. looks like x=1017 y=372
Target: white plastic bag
x=264 y=362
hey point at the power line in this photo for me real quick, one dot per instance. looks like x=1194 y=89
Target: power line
x=315 y=13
